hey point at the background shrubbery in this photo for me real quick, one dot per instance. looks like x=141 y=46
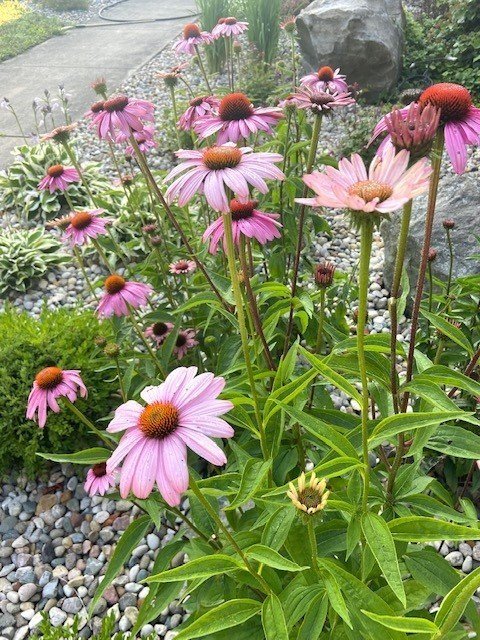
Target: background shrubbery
x=65 y=338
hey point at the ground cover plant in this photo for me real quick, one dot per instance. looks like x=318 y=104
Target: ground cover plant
x=303 y=521
x=21 y=29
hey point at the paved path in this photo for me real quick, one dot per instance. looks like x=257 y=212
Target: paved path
x=81 y=55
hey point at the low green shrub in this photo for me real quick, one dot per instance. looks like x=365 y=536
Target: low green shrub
x=65 y=338
x=27 y=31
x=26 y=254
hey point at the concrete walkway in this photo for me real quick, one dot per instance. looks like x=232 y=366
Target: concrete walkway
x=81 y=55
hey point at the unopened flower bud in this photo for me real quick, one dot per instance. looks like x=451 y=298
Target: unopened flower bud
x=432 y=254
x=149 y=228
x=237 y=46
x=156 y=240
x=324 y=273
x=100 y=341
x=448 y=223
x=111 y=350
x=100 y=86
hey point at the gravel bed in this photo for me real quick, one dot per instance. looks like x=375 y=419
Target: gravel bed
x=71 y=17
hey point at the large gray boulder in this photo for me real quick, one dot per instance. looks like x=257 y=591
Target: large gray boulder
x=458 y=198
x=362 y=37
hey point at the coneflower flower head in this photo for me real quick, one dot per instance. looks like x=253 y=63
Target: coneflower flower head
x=111 y=350
x=432 y=254
x=192 y=37
x=289 y=25
x=59 y=134
x=448 y=223
x=320 y=102
x=99 y=85
x=415 y=130
x=311 y=497
x=50 y=384
x=324 y=273
x=98 y=481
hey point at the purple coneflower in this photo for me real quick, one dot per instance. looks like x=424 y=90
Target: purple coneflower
x=181 y=412
x=320 y=102
x=50 y=384
x=209 y=170
x=185 y=341
x=237 y=118
x=120 y=294
x=121 y=114
x=326 y=79
x=198 y=108
x=192 y=37
x=58 y=178
x=159 y=331
x=388 y=185
x=145 y=140
x=98 y=480
x=228 y=27
x=182 y=267
x=84 y=225
x=458 y=116
x=248 y=221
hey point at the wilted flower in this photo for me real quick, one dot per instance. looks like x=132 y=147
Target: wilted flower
x=237 y=118
x=228 y=27
x=60 y=134
x=182 y=267
x=120 y=294
x=192 y=37
x=247 y=221
x=50 y=384
x=289 y=25
x=326 y=79
x=209 y=170
x=59 y=223
x=185 y=341
x=181 y=412
x=309 y=498
x=58 y=178
x=84 y=225
x=99 y=85
x=98 y=480
x=159 y=331
x=324 y=273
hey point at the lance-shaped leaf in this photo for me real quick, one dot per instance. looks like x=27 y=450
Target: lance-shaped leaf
x=204 y=567
x=393 y=425
x=88 y=456
x=271 y=558
x=408 y=625
x=253 y=476
x=423 y=529
x=449 y=330
x=226 y=615
x=273 y=619
x=455 y=603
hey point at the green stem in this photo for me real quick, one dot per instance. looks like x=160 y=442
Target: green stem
x=188 y=522
x=313 y=544
x=450 y=267
x=76 y=164
x=102 y=254
x=108 y=440
x=301 y=221
x=430 y=287
x=202 y=69
x=175 y=115
x=294 y=64
x=211 y=511
x=318 y=343
x=120 y=381
x=81 y=264
x=237 y=293
x=366 y=239
x=138 y=331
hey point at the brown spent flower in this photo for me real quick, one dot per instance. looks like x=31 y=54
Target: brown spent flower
x=448 y=223
x=59 y=134
x=59 y=223
x=309 y=498
x=99 y=85
x=324 y=273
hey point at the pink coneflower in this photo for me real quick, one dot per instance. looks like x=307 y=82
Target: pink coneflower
x=121 y=114
x=145 y=140
x=52 y=383
x=182 y=411
x=182 y=267
x=289 y=25
x=248 y=221
x=98 y=480
x=58 y=178
x=198 y=108
x=185 y=341
x=326 y=79
x=96 y=108
x=387 y=187
x=320 y=101
x=84 y=225
x=237 y=118
x=228 y=27
x=192 y=37
x=120 y=294
x=458 y=116
x=209 y=170
x=159 y=331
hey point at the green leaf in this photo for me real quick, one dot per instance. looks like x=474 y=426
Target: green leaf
x=442 y=375
x=203 y=567
x=253 y=476
x=393 y=425
x=332 y=376
x=380 y=541
x=447 y=329
x=278 y=525
x=272 y=558
x=408 y=625
x=336 y=598
x=323 y=432
x=314 y=619
x=455 y=603
x=456 y=441
x=273 y=619
x=420 y=529
x=88 y=456
x=130 y=538
x=226 y=615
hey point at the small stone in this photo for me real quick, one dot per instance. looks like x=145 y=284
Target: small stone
x=465 y=549
x=101 y=516
x=94 y=566
x=455 y=558
x=175 y=620
x=153 y=541
x=50 y=589
x=19 y=542
x=72 y=605
x=45 y=503
x=467 y=565
x=27 y=591
x=57 y=616
x=25 y=574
